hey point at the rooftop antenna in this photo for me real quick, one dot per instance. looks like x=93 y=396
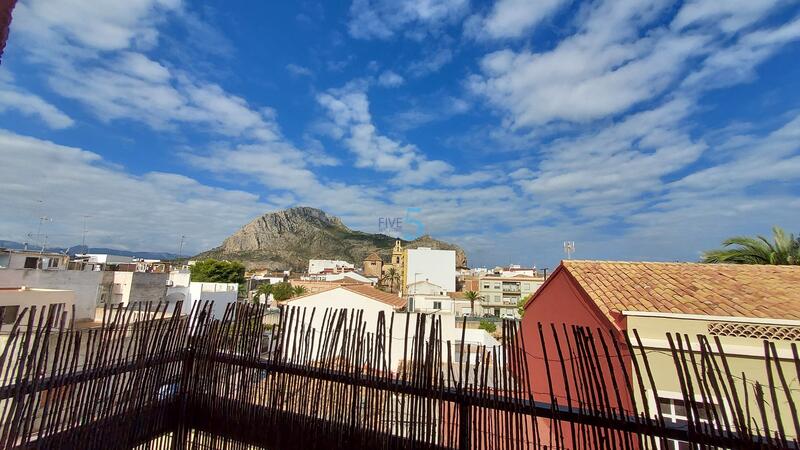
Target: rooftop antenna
x=569 y=248
x=83 y=242
x=180 y=248
x=42 y=219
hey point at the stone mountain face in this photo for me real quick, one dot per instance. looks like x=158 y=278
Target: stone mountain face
x=288 y=239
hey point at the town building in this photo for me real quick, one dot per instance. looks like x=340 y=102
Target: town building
x=500 y=294
x=14 y=299
x=343 y=276
x=316 y=266
x=740 y=305
x=29 y=259
x=435 y=266
x=373 y=265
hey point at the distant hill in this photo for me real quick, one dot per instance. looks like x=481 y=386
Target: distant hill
x=288 y=239
x=80 y=249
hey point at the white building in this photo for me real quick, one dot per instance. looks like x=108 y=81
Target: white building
x=180 y=288
x=28 y=259
x=346 y=276
x=435 y=266
x=328 y=266
x=14 y=299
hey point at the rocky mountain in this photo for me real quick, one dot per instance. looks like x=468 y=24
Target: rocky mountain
x=288 y=239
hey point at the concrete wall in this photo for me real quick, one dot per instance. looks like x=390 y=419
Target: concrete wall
x=85 y=285
x=435 y=266
x=35 y=297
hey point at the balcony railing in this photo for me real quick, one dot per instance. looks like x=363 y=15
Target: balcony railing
x=330 y=380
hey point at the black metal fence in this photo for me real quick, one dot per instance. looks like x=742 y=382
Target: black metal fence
x=330 y=379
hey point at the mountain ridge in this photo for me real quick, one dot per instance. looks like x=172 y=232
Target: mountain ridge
x=287 y=239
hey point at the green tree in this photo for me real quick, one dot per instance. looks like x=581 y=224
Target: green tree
x=472 y=296
x=391 y=279
x=297 y=291
x=282 y=291
x=264 y=289
x=213 y=271
x=783 y=250
x=488 y=326
x=521 y=304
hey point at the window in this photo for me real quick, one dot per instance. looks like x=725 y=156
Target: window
x=31 y=262
x=10 y=314
x=437 y=305
x=4 y=258
x=676 y=411
x=53 y=263
x=497 y=312
x=486 y=286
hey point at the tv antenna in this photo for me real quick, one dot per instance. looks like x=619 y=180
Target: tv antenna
x=83 y=242
x=180 y=248
x=569 y=248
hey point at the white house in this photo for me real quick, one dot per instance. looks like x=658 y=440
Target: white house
x=28 y=259
x=346 y=276
x=328 y=266
x=435 y=266
x=180 y=288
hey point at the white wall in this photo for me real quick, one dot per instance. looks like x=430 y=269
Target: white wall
x=319 y=265
x=341 y=298
x=435 y=266
x=36 y=297
x=85 y=285
x=220 y=293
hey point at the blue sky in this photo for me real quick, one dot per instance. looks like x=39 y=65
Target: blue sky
x=642 y=130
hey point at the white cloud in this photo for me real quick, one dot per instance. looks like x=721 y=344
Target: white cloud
x=298 y=70
x=348 y=109
x=390 y=79
x=147 y=212
x=511 y=18
x=431 y=62
x=383 y=18
x=14 y=98
x=622 y=56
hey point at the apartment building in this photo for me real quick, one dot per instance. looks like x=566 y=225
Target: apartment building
x=500 y=294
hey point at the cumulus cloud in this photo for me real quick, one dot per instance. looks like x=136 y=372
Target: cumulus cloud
x=382 y=19
x=511 y=18
x=146 y=212
x=621 y=56
x=390 y=79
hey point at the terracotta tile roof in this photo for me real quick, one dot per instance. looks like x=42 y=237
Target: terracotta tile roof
x=377 y=294
x=374 y=256
x=690 y=288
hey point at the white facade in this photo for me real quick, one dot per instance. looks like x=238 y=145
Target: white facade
x=26 y=259
x=190 y=292
x=435 y=266
x=321 y=265
x=15 y=300
x=104 y=258
x=346 y=276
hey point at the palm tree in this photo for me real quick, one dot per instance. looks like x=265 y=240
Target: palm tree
x=298 y=290
x=472 y=296
x=785 y=250
x=392 y=277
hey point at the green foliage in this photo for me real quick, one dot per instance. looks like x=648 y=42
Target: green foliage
x=298 y=291
x=472 y=296
x=264 y=289
x=213 y=271
x=391 y=279
x=282 y=291
x=521 y=304
x=488 y=326
x=784 y=250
